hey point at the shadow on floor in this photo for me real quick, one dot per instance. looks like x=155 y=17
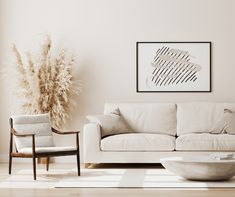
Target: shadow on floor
x=125 y=165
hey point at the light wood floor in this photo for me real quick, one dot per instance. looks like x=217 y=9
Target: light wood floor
x=94 y=192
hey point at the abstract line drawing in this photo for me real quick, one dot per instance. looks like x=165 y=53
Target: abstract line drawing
x=173 y=66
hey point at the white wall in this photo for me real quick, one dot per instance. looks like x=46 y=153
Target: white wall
x=102 y=35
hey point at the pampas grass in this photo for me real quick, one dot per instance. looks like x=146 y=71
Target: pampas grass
x=46 y=83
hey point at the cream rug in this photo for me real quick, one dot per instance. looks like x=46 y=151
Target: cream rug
x=24 y=179
x=106 y=178
x=134 y=178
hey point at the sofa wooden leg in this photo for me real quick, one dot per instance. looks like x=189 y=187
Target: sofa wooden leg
x=48 y=163
x=87 y=165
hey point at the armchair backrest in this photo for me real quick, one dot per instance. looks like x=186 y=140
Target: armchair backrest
x=38 y=124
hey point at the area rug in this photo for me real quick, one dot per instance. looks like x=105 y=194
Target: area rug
x=24 y=178
x=134 y=178
x=106 y=178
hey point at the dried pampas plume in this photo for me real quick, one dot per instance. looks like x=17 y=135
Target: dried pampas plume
x=46 y=83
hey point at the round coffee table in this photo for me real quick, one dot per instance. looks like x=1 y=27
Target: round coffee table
x=201 y=168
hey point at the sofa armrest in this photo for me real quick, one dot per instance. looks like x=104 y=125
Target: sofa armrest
x=91 y=140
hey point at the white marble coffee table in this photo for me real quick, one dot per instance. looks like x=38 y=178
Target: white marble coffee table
x=200 y=167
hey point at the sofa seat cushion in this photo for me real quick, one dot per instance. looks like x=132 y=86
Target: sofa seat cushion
x=47 y=149
x=138 y=142
x=205 y=142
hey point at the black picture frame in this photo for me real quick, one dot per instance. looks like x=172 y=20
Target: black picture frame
x=138 y=90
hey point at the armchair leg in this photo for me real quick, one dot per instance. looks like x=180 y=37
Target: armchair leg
x=47 y=165
x=10 y=149
x=10 y=163
x=78 y=164
x=34 y=168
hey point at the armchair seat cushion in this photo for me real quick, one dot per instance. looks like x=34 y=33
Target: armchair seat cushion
x=138 y=142
x=47 y=149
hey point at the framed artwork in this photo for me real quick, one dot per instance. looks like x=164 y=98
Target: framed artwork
x=173 y=66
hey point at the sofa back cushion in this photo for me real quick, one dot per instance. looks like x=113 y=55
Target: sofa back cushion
x=147 y=117
x=199 y=117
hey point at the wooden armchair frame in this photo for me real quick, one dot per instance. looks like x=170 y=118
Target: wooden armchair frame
x=35 y=154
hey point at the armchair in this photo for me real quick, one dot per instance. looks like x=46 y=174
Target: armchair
x=33 y=138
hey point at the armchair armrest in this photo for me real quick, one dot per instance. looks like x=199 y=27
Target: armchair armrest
x=15 y=133
x=67 y=133
x=64 y=133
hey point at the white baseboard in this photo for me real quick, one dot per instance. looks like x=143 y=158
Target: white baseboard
x=3 y=158
x=66 y=159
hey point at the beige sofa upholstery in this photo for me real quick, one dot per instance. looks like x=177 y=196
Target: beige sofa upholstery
x=157 y=118
x=138 y=142
x=159 y=130
x=205 y=142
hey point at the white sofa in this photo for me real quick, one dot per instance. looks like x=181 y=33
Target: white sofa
x=159 y=130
